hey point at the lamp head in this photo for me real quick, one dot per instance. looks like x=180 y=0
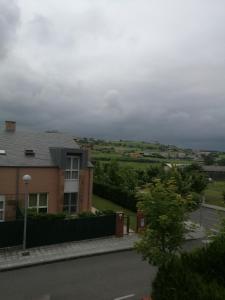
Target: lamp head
x=26 y=178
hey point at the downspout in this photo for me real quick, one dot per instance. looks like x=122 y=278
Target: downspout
x=17 y=187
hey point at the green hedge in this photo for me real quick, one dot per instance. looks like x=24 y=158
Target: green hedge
x=198 y=275
x=115 y=194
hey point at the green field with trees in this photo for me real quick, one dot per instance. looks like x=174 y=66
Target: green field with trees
x=215 y=193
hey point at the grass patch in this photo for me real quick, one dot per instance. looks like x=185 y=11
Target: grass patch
x=101 y=204
x=214 y=193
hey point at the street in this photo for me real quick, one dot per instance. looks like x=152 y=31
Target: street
x=207 y=217
x=105 y=277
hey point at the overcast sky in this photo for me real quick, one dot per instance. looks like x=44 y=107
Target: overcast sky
x=132 y=69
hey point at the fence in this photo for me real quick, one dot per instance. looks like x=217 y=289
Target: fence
x=46 y=232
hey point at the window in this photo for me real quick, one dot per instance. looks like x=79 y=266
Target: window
x=29 y=152
x=2 y=152
x=70 y=203
x=38 y=202
x=2 y=208
x=72 y=168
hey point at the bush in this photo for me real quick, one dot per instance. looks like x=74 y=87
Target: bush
x=86 y=214
x=197 y=275
x=35 y=216
x=115 y=194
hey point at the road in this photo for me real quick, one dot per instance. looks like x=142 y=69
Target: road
x=105 y=277
x=207 y=217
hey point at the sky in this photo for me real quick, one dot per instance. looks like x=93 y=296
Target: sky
x=116 y=69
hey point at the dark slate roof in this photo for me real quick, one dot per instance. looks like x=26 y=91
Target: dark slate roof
x=14 y=143
x=213 y=168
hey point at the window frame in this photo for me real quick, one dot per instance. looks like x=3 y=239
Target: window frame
x=37 y=207
x=71 y=169
x=2 y=199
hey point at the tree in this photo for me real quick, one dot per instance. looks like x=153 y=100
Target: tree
x=209 y=159
x=165 y=211
x=128 y=177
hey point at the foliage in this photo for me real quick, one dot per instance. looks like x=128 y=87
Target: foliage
x=116 y=194
x=209 y=159
x=125 y=177
x=223 y=196
x=33 y=215
x=86 y=214
x=120 y=183
x=104 y=204
x=189 y=179
x=197 y=275
x=164 y=210
x=221 y=162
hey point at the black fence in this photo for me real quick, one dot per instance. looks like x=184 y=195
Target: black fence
x=47 y=232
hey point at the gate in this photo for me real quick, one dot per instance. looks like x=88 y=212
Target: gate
x=126 y=224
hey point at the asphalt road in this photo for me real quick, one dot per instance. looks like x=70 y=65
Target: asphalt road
x=207 y=217
x=105 y=277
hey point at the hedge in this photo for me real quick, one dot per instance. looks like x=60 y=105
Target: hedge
x=115 y=194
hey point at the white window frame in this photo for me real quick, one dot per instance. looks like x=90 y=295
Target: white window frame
x=2 y=199
x=38 y=201
x=71 y=170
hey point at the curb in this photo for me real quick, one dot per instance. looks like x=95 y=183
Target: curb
x=213 y=207
x=71 y=257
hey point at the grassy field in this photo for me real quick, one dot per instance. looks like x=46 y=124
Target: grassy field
x=213 y=193
x=101 y=204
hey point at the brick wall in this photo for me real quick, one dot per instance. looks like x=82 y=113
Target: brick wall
x=46 y=180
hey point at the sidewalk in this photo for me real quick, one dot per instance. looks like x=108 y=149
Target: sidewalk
x=13 y=259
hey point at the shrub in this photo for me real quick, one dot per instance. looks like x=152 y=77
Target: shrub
x=115 y=194
x=35 y=216
x=86 y=214
x=197 y=275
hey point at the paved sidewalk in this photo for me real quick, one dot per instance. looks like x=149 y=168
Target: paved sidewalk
x=13 y=259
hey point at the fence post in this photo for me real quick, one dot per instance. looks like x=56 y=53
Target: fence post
x=119 y=224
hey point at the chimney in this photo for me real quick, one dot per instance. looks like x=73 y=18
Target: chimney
x=10 y=126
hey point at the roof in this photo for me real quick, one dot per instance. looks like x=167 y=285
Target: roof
x=213 y=168
x=14 y=143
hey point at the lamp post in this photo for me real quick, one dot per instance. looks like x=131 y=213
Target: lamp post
x=26 y=180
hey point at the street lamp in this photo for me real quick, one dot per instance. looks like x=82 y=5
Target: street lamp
x=26 y=180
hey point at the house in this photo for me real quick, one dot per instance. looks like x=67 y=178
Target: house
x=214 y=172
x=61 y=172
x=169 y=166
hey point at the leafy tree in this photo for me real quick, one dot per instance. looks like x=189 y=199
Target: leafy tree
x=98 y=171
x=188 y=180
x=221 y=162
x=209 y=159
x=165 y=211
x=223 y=193
x=129 y=178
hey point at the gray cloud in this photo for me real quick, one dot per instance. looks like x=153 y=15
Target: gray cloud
x=9 y=19
x=149 y=70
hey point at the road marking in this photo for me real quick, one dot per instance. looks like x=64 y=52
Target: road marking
x=125 y=297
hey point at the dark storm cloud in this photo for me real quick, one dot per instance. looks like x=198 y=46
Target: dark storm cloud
x=134 y=69
x=9 y=19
